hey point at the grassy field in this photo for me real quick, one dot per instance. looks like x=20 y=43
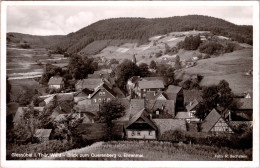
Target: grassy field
x=153 y=150
x=230 y=67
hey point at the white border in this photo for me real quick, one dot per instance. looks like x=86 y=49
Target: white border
x=254 y=163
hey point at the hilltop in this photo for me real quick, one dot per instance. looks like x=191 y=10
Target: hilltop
x=139 y=29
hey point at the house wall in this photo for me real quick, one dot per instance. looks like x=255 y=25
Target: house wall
x=221 y=126
x=141 y=134
x=55 y=86
x=142 y=92
x=101 y=96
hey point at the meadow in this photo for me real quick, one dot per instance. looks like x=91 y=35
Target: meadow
x=151 y=150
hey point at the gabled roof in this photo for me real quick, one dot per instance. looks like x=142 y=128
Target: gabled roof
x=190 y=95
x=167 y=105
x=141 y=114
x=211 y=119
x=83 y=93
x=103 y=86
x=244 y=103
x=151 y=95
x=192 y=105
x=169 y=124
x=136 y=105
x=43 y=133
x=173 y=89
x=151 y=84
x=182 y=115
x=154 y=79
x=88 y=83
x=55 y=81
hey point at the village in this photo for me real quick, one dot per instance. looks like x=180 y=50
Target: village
x=151 y=108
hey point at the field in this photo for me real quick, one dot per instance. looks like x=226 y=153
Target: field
x=230 y=67
x=149 y=150
x=22 y=63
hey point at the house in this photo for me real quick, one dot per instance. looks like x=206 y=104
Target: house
x=191 y=95
x=102 y=94
x=185 y=116
x=165 y=125
x=214 y=123
x=152 y=95
x=43 y=134
x=132 y=83
x=191 y=108
x=56 y=83
x=64 y=107
x=144 y=86
x=176 y=93
x=161 y=108
x=244 y=110
x=18 y=117
x=140 y=126
x=90 y=84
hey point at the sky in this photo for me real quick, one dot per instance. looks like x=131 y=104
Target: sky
x=62 y=20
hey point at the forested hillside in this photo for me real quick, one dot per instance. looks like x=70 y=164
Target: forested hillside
x=141 y=29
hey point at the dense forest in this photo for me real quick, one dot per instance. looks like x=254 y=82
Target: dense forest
x=141 y=29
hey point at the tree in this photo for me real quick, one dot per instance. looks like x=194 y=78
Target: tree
x=124 y=71
x=177 y=62
x=144 y=70
x=152 y=65
x=110 y=111
x=66 y=126
x=201 y=110
x=225 y=97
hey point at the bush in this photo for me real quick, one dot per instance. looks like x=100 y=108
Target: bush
x=211 y=47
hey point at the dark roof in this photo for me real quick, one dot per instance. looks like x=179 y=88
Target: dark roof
x=151 y=95
x=190 y=95
x=192 y=105
x=64 y=97
x=211 y=119
x=141 y=114
x=135 y=106
x=168 y=105
x=92 y=108
x=55 y=81
x=169 y=124
x=103 y=86
x=154 y=79
x=88 y=83
x=124 y=102
x=83 y=93
x=244 y=103
x=43 y=133
x=173 y=89
x=151 y=84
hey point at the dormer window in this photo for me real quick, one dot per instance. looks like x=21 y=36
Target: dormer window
x=157 y=112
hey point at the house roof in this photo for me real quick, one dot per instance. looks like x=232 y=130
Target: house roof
x=141 y=114
x=154 y=79
x=168 y=105
x=55 y=81
x=124 y=102
x=192 y=105
x=20 y=112
x=135 y=106
x=182 y=115
x=173 y=89
x=92 y=108
x=88 y=83
x=211 y=119
x=190 y=95
x=45 y=133
x=103 y=86
x=244 y=103
x=169 y=124
x=83 y=93
x=151 y=84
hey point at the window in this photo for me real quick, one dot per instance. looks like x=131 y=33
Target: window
x=150 y=132
x=133 y=133
x=108 y=99
x=138 y=133
x=102 y=93
x=95 y=100
x=99 y=100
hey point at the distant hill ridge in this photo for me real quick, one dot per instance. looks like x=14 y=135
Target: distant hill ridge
x=140 y=29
